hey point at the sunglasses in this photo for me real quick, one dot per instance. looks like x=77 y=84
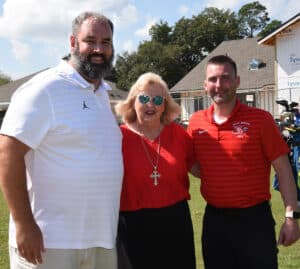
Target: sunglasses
x=156 y=100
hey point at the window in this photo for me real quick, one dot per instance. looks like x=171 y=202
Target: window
x=255 y=64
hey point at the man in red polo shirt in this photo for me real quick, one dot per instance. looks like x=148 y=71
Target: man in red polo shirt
x=236 y=146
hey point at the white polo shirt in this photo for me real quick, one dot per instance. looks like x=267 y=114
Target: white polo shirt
x=74 y=167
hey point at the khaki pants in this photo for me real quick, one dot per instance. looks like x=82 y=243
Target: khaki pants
x=92 y=258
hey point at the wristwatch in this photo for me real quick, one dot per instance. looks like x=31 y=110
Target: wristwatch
x=292 y=214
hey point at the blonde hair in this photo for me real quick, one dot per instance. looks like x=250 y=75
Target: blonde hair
x=126 y=110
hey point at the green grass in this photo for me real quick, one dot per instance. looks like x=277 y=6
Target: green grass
x=4 y=264
x=197 y=205
x=289 y=257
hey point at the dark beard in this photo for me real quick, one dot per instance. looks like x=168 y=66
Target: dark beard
x=84 y=65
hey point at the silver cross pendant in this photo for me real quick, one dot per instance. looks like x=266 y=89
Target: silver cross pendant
x=155 y=175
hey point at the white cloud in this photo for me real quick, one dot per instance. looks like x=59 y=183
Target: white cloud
x=281 y=9
x=144 y=32
x=127 y=16
x=54 y=52
x=128 y=46
x=183 y=10
x=37 y=30
x=229 y=4
x=50 y=20
x=42 y=25
x=20 y=50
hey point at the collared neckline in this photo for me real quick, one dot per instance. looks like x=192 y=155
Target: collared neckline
x=211 y=109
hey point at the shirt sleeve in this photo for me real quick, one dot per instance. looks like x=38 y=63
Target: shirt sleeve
x=189 y=147
x=29 y=115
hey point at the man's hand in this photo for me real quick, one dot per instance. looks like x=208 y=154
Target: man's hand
x=289 y=232
x=14 y=188
x=30 y=242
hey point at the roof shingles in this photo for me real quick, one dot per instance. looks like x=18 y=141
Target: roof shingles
x=241 y=51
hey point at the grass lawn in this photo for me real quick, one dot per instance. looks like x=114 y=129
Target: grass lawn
x=3 y=234
x=289 y=257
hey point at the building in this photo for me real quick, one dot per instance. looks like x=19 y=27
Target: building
x=255 y=64
x=285 y=40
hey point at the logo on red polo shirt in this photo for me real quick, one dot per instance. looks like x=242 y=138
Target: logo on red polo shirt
x=201 y=131
x=240 y=128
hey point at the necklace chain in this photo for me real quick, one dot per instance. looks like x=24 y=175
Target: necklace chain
x=154 y=175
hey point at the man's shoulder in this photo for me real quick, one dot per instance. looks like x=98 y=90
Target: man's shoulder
x=199 y=115
x=254 y=112
x=43 y=78
x=198 y=118
x=48 y=80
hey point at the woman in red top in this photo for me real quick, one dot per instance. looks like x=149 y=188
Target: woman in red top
x=155 y=223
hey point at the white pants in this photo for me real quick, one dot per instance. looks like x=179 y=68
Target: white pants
x=92 y=258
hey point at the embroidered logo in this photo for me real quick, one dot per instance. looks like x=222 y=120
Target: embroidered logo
x=84 y=105
x=202 y=131
x=240 y=128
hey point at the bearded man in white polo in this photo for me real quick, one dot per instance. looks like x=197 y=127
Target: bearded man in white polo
x=61 y=164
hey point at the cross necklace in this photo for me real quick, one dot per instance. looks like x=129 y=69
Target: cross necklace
x=154 y=175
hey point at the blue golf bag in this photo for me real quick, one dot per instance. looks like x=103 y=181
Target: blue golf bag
x=294 y=158
x=290 y=130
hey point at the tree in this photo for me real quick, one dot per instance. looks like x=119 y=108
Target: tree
x=252 y=18
x=174 y=50
x=151 y=57
x=214 y=26
x=4 y=78
x=200 y=35
x=188 y=49
x=270 y=27
x=161 y=33
x=124 y=67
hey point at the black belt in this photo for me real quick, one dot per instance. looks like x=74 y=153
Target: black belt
x=238 y=211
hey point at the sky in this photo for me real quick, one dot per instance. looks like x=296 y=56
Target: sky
x=34 y=34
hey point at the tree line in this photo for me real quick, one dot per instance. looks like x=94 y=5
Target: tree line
x=174 y=50
x=4 y=78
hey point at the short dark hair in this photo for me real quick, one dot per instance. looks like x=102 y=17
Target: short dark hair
x=88 y=14
x=222 y=59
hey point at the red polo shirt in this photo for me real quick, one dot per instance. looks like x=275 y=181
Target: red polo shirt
x=235 y=156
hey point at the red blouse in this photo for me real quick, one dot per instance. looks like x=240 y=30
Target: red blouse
x=175 y=159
